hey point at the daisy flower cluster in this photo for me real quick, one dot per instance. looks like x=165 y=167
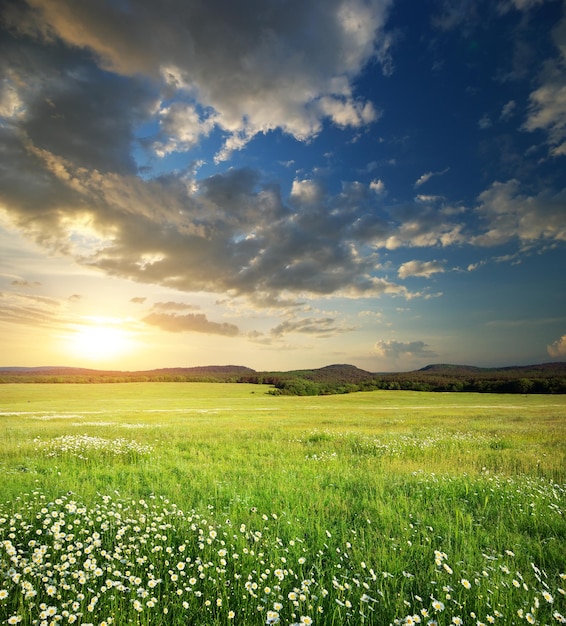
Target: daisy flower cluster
x=80 y=446
x=147 y=561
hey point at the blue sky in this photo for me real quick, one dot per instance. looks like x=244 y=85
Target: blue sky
x=282 y=184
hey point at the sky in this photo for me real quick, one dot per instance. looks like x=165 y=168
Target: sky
x=282 y=184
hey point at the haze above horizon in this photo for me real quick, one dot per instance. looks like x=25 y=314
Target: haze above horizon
x=286 y=184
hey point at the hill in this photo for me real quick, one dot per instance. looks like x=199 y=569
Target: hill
x=540 y=378
x=331 y=379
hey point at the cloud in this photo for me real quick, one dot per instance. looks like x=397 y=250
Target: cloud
x=428 y=175
x=509 y=214
x=244 y=70
x=378 y=186
x=485 y=122
x=138 y=300
x=557 y=349
x=20 y=308
x=508 y=110
x=191 y=322
x=174 y=306
x=547 y=103
x=21 y=282
x=321 y=327
x=396 y=349
x=424 y=269
x=229 y=233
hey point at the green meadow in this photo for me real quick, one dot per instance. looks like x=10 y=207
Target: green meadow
x=207 y=504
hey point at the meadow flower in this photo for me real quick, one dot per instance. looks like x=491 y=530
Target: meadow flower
x=530 y=618
x=437 y=605
x=466 y=583
x=548 y=597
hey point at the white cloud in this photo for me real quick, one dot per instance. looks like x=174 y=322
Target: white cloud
x=424 y=269
x=508 y=110
x=253 y=68
x=485 y=122
x=396 y=349
x=557 y=349
x=547 y=103
x=378 y=186
x=509 y=214
x=428 y=175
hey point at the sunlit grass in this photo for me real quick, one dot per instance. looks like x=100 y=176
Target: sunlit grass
x=374 y=508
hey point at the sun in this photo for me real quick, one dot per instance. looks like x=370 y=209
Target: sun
x=100 y=340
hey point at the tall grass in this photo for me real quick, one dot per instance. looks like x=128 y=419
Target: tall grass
x=217 y=504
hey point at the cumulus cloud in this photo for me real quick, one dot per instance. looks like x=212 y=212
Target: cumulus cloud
x=508 y=213
x=547 y=103
x=424 y=269
x=191 y=322
x=378 y=186
x=69 y=181
x=245 y=69
x=396 y=349
x=557 y=349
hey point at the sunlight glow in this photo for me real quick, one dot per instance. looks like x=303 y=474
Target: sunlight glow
x=100 y=339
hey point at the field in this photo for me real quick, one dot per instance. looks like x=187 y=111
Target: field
x=208 y=504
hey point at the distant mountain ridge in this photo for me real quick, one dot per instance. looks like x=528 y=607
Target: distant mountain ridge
x=336 y=378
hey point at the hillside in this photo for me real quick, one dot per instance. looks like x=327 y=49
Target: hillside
x=337 y=378
x=540 y=378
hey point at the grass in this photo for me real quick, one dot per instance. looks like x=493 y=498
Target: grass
x=371 y=508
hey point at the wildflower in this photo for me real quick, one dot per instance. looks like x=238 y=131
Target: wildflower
x=231 y=615
x=437 y=605
x=457 y=620
x=306 y=620
x=530 y=618
x=14 y=619
x=465 y=583
x=547 y=597
x=3 y=594
x=272 y=617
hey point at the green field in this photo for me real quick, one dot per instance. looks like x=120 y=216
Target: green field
x=201 y=504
